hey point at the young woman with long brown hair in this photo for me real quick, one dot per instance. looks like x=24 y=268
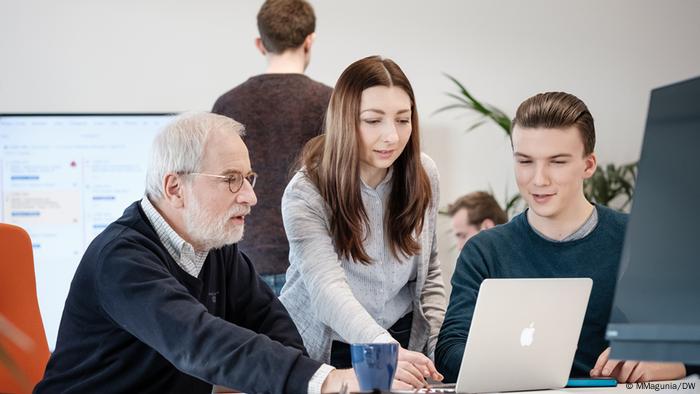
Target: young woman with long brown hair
x=360 y=216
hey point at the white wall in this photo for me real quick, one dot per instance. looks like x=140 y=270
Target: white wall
x=138 y=56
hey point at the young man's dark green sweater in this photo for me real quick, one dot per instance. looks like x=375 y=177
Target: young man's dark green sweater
x=515 y=250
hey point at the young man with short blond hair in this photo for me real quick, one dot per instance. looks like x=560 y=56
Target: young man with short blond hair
x=561 y=234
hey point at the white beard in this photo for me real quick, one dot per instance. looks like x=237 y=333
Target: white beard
x=212 y=231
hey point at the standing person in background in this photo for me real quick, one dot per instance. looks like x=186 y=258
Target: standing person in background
x=472 y=213
x=360 y=217
x=281 y=110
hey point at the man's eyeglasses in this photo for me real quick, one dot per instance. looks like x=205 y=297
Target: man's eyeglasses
x=235 y=180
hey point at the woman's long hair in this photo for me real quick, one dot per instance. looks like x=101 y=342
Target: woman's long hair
x=332 y=162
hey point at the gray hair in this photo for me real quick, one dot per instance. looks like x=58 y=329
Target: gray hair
x=179 y=147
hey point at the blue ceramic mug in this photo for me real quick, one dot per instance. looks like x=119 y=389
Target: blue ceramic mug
x=374 y=364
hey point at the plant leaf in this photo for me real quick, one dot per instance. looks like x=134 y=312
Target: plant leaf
x=471 y=103
x=477 y=124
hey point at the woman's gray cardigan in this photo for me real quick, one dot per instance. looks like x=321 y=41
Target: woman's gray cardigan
x=317 y=293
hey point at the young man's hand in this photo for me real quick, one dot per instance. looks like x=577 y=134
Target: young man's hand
x=334 y=381
x=636 y=371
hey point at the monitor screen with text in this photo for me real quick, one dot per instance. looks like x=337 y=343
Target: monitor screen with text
x=64 y=178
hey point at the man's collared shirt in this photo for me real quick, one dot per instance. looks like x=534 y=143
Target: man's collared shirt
x=586 y=228
x=192 y=261
x=181 y=251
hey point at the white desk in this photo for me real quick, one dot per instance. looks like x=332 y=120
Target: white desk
x=684 y=386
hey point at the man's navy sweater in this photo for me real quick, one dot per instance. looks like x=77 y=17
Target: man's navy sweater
x=514 y=250
x=134 y=321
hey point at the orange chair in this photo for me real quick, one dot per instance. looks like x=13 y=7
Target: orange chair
x=19 y=307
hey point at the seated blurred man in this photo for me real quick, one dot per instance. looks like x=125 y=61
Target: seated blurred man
x=163 y=301
x=472 y=213
x=561 y=234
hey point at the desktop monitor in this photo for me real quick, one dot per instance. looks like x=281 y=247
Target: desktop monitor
x=64 y=178
x=656 y=311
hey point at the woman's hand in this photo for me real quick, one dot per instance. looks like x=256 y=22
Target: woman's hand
x=412 y=370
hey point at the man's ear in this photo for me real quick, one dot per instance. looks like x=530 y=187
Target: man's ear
x=173 y=190
x=309 y=41
x=261 y=47
x=591 y=165
x=486 y=224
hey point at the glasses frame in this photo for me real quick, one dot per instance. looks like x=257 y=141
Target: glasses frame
x=251 y=177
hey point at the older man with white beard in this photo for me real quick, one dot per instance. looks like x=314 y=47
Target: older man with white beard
x=163 y=301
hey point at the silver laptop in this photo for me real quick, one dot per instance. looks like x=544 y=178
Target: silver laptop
x=523 y=334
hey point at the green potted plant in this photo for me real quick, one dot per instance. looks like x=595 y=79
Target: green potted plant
x=611 y=185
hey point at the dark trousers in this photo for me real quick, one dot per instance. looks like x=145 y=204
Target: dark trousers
x=401 y=331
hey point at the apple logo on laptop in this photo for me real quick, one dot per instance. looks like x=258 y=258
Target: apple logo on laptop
x=527 y=336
